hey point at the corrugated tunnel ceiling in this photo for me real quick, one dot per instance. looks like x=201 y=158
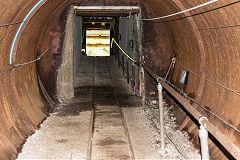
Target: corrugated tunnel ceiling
x=204 y=41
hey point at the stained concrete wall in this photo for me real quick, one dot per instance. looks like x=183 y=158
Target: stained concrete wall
x=130 y=33
x=77 y=44
x=65 y=77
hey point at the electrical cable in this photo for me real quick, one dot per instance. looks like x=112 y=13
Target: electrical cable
x=199 y=104
x=6 y=70
x=113 y=40
x=15 y=23
x=26 y=20
x=39 y=58
x=219 y=27
x=169 y=129
x=28 y=16
x=10 y=24
x=84 y=2
x=184 y=11
x=170 y=67
x=32 y=61
x=171 y=141
x=16 y=65
x=212 y=81
x=193 y=15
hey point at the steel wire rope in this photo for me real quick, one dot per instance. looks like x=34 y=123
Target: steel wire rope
x=171 y=141
x=39 y=58
x=184 y=11
x=199 y=104
x=219 y=27
x=193 y=15
x=29 y=62
x=130 y=12
x=170 y=67
x=212 y=81
x=10 y=24
x=29 y=20
x=5 y=70
x=15 y=23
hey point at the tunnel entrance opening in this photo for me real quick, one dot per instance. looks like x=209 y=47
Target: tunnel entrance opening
x=98 y=42
x=89 y=31
x=97 y=33
x=95 y=27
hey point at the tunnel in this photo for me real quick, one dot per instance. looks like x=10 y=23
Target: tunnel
x=42 y=42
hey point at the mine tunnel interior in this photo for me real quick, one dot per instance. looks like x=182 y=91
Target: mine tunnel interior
x=92 y=75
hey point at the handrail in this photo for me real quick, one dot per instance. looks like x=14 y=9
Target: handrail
x=231 y=148
x=225 y=141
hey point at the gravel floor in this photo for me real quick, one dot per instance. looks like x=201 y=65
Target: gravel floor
x=60 y=137
x=66 y=132
x=145 y=137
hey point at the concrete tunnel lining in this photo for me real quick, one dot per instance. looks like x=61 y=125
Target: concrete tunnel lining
x=30 y=37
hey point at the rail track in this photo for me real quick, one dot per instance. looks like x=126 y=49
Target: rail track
x=108 y=134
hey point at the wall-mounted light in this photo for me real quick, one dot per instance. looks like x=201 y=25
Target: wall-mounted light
x=184 y=78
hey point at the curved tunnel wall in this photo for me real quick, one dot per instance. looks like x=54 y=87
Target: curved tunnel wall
x=211 y=53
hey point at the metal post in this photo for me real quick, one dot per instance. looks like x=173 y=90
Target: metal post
x=203 y=135
x=142 y=88
x=161 y=118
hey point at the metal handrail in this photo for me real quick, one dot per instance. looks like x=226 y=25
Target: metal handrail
x=225 y=142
